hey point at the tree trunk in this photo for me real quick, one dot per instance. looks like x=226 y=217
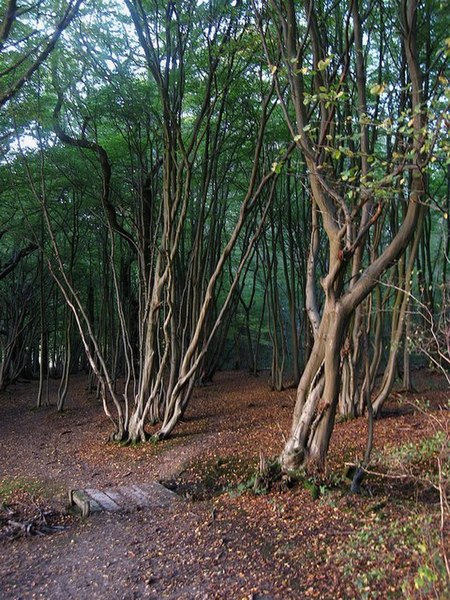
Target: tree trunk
x=317 y=395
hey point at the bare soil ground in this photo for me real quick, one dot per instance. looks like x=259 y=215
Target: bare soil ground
x=222 y=541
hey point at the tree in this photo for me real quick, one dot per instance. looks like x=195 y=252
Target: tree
x=25 y=44
x=322 y=64
x=166 y=52
x=182 y=203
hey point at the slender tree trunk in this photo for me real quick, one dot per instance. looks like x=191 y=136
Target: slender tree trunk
x=398 y=327
x=67 y=360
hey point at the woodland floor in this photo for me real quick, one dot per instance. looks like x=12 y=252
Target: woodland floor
x=221 y=541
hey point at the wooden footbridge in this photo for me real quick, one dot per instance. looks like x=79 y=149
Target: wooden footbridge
x=122 y=498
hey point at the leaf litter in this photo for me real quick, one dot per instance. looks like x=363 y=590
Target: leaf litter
x=223 y=541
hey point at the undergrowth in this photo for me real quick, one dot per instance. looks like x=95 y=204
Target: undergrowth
x=268 y=476
x=420 y=471
x=409 y=546
x=11 y=486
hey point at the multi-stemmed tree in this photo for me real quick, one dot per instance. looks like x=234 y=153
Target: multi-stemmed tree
x=338 y=72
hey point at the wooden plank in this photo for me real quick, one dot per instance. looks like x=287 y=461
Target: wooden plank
x=134 y=497
x=105 y=502
x=118 y=497
x=83 y=501
x=159 y=495
x=78 y=498
x=122 y=497
x=157 y=490
x=141 y=495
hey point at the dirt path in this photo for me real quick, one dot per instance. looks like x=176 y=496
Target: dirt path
x=125 y=555
x=213 y=544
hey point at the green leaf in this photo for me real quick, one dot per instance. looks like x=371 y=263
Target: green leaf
x=378 y=89
x=323 y=64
